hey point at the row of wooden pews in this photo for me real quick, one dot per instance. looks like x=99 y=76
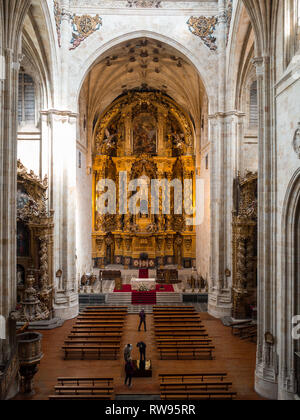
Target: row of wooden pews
x=246 y=330
x=202 y=386
x=83 y=389
x=180 y=334
x=97 y=333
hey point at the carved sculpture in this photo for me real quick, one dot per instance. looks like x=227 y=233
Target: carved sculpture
x=32 y=308
x=83 y=27
x=204 y=27
x=35 y=247
x=244 y=247
x=296 y=141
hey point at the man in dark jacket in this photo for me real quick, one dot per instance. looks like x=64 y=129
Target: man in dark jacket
x=142 y=319
x=129 y=370
x=142 y=347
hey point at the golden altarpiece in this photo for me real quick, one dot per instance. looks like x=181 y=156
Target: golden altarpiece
x=148 y=136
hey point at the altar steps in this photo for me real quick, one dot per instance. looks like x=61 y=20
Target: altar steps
x=165 y=297
x=126 y=298
x=119 y=298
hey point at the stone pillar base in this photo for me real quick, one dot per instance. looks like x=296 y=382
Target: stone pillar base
x=219 y=304
x=284 y=395
x=66 y=306
x=266 y=389
x=14 y=388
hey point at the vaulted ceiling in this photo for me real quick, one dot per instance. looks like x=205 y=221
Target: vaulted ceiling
x=143 y=63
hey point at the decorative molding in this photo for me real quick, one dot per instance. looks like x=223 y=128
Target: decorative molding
x=84 y=26
x=144 y=3
x=229 y=10
x=296 y=141
x=58 y=19
x=204 y=27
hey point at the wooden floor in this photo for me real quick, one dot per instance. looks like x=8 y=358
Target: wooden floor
x=232 y=355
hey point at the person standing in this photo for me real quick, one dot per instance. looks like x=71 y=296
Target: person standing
x=142 y=347
x=142 y=319
x=127 y=352
x=129 y=370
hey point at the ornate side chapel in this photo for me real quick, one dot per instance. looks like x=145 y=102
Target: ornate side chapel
x=148 y=136
x=35 y=229
x=244 y=247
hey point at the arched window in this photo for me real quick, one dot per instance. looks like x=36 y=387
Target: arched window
x=26 y=103
x=253 y=112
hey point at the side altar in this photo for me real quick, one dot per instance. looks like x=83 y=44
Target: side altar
x=144 y=136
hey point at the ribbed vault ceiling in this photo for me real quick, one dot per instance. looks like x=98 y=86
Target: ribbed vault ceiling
x=143 y=63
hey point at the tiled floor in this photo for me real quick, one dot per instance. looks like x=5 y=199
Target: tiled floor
x=232 y=355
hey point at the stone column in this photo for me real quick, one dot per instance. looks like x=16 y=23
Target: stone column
x=267 y=360
x=12 y=15
x=63 y=199
x=220 y=302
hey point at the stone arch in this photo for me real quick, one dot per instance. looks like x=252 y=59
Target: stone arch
x=290 y=293
x=89 y=63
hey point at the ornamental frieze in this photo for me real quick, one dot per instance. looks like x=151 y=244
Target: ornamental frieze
x=83 y=27
x=204 y=27
x=144 y=3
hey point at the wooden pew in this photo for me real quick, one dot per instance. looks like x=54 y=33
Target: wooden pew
x=100 y=322
x=196 y=386
x=190 y=307
x=240 y=329
x=99 y=350
x=177 y=319
x=198 y=395
x=90 y=390
x=179 y=323
x=187 y=330
x=83 y=389
x=96 y=336
x=188 y=376
x=106 y=318
x=107 y=308
x=81 y=397
x=175 y=353
x=81 y=341
x=175 y=336
x=178 y=341
x=82 y=380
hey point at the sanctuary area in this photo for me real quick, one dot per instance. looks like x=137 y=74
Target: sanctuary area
x=149 y=200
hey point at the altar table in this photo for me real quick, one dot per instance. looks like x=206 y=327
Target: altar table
x=150 y=284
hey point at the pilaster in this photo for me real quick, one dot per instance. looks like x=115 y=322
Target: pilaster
x=267 y=359
x=63 y=198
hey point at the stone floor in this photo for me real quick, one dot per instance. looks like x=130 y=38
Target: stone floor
x=232 y=355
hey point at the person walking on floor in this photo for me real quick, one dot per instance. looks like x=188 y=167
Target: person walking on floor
x=142 y=319
x=127 y=352
x=129 y=370
x=142 y=347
